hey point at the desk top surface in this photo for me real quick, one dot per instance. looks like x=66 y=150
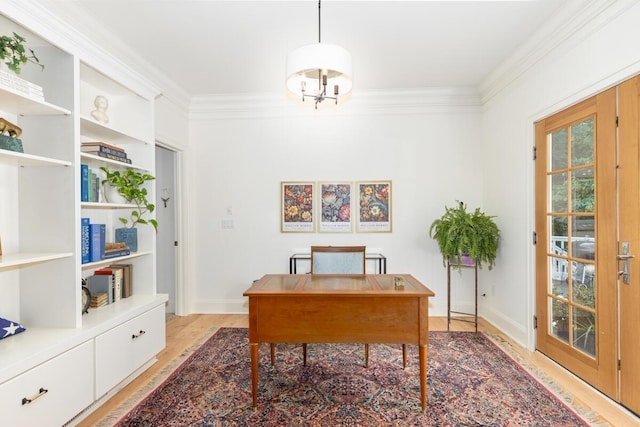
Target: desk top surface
x=360 y=285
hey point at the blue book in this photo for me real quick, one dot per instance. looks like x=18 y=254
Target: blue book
x=84 y=239
x=97 y=236
x=84 y=182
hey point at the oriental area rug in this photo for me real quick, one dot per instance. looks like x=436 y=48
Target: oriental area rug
x=471 y=382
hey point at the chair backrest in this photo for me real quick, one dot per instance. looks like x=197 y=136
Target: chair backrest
x=337 y=259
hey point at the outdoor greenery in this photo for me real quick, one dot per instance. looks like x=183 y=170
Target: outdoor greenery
x=459 y=232
x=579 y=139
x=572 y=156
x=130 y=186
x=14 y=54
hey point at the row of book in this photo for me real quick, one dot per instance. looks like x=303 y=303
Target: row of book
x=110 y=284
x=89 y=184
x=93 y=244
x=108 y=151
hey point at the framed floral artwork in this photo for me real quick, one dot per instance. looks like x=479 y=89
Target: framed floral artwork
x=297 y=199
x=335 y=207
x=374 y=206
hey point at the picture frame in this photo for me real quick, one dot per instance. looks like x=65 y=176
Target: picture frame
x=297 y=199
x=335 y=208
x=374 y=208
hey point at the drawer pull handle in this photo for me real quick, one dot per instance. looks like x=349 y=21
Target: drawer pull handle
x=41 y=392
x=138 y=335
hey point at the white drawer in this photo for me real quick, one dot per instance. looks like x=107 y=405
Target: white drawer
x=125 y=348
x=59 y=389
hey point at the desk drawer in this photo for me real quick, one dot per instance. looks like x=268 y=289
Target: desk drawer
x=58 y=389
x=122 y=350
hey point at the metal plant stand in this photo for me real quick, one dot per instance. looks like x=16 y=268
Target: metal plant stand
x=474 y=266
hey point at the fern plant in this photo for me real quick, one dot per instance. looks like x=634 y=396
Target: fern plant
x=459 y=232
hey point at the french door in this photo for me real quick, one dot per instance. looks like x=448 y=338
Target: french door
x=588 y=227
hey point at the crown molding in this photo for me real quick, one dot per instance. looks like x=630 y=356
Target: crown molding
x=440 y=100
x=576 y=20
x=66 y=26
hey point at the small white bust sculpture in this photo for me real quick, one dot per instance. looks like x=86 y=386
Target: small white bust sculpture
x=100 y=113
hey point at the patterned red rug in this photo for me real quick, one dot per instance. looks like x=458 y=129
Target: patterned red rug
x=471 y=382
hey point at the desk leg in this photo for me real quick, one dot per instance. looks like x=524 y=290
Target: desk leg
x=423 y=376
x=254 y=373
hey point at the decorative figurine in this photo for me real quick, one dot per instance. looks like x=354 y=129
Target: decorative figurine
x=100 y=113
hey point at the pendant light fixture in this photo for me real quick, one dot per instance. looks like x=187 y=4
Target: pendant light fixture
x=313 y=68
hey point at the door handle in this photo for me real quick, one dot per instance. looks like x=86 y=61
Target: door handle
x=625 y=256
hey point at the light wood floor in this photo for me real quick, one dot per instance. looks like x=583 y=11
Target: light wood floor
x=184 y=332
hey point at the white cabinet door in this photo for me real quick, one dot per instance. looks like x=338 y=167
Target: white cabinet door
x=122 y=350
x=52 y=393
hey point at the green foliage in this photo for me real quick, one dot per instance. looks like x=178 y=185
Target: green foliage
x=130 y=186
x=459 y=233
x=14 y=54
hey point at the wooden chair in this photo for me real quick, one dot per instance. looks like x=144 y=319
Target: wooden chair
x=334 y=260
x=337 y=260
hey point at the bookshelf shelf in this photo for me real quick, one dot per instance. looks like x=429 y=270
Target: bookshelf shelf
x=117 y=260
x=22 y=159
x=21 y=259
x=100 y=132
x=101 y=205
x=11 y=100
x=91 y=157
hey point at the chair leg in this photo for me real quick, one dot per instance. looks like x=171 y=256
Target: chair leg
x=304 y=354
x=404 y=356
x=273 y=354
x=366 y=355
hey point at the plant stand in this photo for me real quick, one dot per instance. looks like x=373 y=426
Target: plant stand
x=449 y=311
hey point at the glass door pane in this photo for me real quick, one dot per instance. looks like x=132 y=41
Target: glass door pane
x=571 y=230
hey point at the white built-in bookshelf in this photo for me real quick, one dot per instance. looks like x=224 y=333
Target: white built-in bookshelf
x=79 y=359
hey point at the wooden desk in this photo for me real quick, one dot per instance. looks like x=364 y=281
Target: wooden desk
x=364 y=309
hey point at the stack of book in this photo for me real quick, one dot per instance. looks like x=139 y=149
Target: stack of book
x=108 y=151
x=10 y=80
x=99 y=299
x=116 y=249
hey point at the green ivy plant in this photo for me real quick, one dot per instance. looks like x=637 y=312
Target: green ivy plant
x=130 y=185
x=459 y=232
x=14 y=54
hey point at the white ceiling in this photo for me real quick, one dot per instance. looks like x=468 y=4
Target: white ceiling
x=240 y=47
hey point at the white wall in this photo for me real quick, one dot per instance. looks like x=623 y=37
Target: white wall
x=580 y=67
x=432 y=158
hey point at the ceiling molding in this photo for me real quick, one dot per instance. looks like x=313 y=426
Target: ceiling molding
x=53 y=28
x=575 y=21
x=442 y=100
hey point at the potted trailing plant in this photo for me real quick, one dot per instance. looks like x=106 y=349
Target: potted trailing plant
x=13 y=53
x=460 y=233
x=130 y=185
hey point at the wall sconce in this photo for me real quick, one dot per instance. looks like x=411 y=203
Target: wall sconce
x=165 y=196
